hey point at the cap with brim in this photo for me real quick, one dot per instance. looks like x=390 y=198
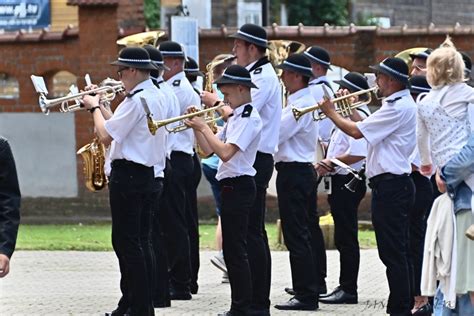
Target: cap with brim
x=319 y=55
x=423 y=54
x=134 y=57
x=353 y=81
x=253 y=34
x=171 y=49
x=419 y=84
x=393 y=67
x=191 y=68
x=156 y=57
x=297 y=63
x=236 y=74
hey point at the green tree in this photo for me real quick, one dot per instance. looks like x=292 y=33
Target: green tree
x=317 y=12
x=151 y=11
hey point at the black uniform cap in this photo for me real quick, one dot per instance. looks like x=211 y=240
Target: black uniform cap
x=156 y=57
x=394 y=67
x=191 y=68
x=134 y=57
x=353 y=81
x=171 y=49
x=297 y=63
x=467 y=62
x=423 y=54
x=418 y=84
x=252 y=33
x=236 y=74
x=317 y=54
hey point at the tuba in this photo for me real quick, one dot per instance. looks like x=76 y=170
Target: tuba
x=94 y=161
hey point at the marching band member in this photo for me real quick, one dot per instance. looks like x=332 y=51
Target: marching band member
x=343 y=202
x=390 y=134
x=418 y=64
x=133 y=154
x=178 y=205
x=296 y=184
x=250 y=44
x=236 y=145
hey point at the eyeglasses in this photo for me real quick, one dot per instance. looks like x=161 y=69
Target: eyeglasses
x=120 y=70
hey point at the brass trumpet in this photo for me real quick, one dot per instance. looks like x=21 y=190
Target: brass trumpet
x=72 y=102
x=344 y=105
x=153 y=125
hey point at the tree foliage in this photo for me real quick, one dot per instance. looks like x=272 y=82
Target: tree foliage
x=317 y=12
x=152 y=13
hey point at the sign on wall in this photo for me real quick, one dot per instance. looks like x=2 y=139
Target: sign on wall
x=24 y=14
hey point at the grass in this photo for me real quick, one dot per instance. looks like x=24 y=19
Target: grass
x=97 y=237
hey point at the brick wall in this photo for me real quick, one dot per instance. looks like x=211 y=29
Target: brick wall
x=92 y=47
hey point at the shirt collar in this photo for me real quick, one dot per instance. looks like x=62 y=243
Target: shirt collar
x=179 y=76
x=318 y=80
x=298 y=94
x=146 y=84
x=249 y=66
x=398 y=94
x=238 y=111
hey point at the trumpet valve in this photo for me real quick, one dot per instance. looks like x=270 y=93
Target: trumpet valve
x=297 y=113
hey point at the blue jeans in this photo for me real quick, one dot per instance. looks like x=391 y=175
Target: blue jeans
x=210 y=174
x=463 y=306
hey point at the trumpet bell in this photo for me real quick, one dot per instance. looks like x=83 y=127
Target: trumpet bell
x=141 y=39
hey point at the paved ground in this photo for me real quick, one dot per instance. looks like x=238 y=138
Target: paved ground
x=86 y=283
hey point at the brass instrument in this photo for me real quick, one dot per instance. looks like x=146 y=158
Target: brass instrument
x=405 y=54
x=141 y=39
x=344 y=105
x=218 y=60
x=153 y=125
x=109 y=88
x=94 y=160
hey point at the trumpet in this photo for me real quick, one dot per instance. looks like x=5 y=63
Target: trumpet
x=153 y=125
x=344 y=105
x=108 y=88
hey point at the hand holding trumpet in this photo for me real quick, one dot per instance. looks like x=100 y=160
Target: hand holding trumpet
x=197 y=123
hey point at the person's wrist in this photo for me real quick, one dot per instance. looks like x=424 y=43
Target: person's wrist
x=92 y=109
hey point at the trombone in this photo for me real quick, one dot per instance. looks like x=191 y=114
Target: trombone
x=344 y=105
x=153 y=125
x=72 y=102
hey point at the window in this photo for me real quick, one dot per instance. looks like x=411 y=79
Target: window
x=249 y=12
x=9 y=87
x=62 y=81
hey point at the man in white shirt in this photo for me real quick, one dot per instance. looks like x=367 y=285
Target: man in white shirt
x=390 y=134
x=296 y=184
x=178 y=204
x=133 y=153
x=236 y=145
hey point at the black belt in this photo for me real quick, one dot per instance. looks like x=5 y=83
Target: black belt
x=294 y=164
x=117 y=163
x=384 y=177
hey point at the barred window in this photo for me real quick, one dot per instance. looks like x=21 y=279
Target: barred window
x=62 y=81
x=9 y=87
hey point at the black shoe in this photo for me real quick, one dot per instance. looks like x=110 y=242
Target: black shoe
x=119 y=311
x=337 y=289
x=296 y=305
x=339 y=297
x=424 y=310
x=259 y=312
x=227 y=313
x=161 y=304
x=290 y=291
x=180 y=295
x=194 y=288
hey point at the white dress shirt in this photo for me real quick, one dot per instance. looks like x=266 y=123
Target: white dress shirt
x=128 y=127
x=326 y=125
x=297 y=138
x=242 y=129
x=267 y=100
x=391 y=135
x=183 y=141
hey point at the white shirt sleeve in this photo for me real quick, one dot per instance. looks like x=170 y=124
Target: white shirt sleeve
x=357 y=147
x=379 y=125
x=260 y=96
x=289 y=126
x=123 y=120
x=243 y=133
x=423 y=141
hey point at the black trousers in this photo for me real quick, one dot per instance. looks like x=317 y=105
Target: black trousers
x=175 y=223
x=238 y=195
x=193 y=222
x=130 y=191
x=257 y=241
x=344 y=206
x=296 y=187
x=418 y=218
x=392 y=201
x=161 y=293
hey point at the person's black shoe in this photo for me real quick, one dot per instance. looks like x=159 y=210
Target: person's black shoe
x=194 y=288
x=290 y=291
x=425 y=310
x=119 y=311
x=180 y=295
x=259 y=312
x=227 y=313
x=339 y=297
x=296 y=305
x=337 y=289
x=161 y=304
